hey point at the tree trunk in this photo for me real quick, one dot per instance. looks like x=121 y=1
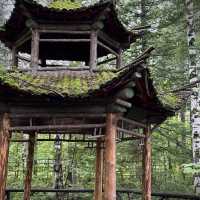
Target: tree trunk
x=58 y=183
x=143 y=19
x=195 y=96
x=29 y=167
x=24 y=151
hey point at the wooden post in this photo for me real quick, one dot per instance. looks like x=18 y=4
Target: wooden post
x=14 y=58
x=147 y=165
x=93 y=50
x=35 y=48
x=110 y=157
x=43 y=62
x=30 y=157
x=99 y=171
x=119 y=59
x=4 y=150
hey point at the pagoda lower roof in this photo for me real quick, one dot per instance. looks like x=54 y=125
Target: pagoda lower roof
x=83 y=86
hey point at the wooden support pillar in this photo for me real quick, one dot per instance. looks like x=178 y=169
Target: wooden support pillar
x=43 y=62
x=4 y=150
x=147 y=165
x=29 y=166
x=93 y=50
x=110 y=157
x=14 y=58
x=99 y=171
x=35 y=48
x=119 y=59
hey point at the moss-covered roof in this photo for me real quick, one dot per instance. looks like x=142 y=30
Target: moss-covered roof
x=64 y=4
x=65 y=83
x=82 y=86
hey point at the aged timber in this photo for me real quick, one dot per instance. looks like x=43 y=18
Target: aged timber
x=4 y=148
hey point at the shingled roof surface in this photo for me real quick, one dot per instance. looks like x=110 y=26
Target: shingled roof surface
x=67 y=83
x=17 y=22
x=82 y=86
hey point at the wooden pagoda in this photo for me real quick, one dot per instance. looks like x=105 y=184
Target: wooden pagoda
x=101 y=106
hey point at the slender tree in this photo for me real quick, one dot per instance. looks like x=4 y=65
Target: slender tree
x=195 y=96
x=58 y=172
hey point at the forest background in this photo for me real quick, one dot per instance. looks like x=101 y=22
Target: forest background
x=172 y=141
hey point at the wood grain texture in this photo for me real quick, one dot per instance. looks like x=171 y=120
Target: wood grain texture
x=28 y=177
x=35 y=48
x=93 y=50
x=4 y=150
x=147 y=188
x=110 y=157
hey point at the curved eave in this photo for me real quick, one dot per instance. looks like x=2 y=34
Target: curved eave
x=37 y=12
x=145 y=98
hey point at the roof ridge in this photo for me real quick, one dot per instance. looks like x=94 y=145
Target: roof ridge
x=33 y=2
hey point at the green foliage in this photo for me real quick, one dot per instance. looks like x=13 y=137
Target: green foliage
x=191 y=168
x=169 y=99
x=64 y=4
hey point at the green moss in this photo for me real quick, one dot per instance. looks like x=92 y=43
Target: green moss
x=70 y=85
x=65 y=4
x=101 y=77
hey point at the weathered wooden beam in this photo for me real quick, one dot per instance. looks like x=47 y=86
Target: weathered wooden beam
x=116 y=109
x=108 y=48
x=106 y=61
x=54 y=115
x=139 y=60
x=147 y=188
x=61 y=28
x=30 y=158
x=126 y=93
x=133 y=122
x=123 y=103
x=119 y=59
x=133 y=133
x=44 y=109
x=64 y=31
x=96 y=136
x=56 y=127
x=104 y=37
x=24 y=38
x=64 y=40
x=162 y=195
x=93 y=50
x=110 y=157
x=4 y=150
x=98 y=193
x=35 y=48
x=53 y=140
x=64 y=68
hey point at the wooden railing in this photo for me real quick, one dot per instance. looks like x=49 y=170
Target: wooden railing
x=122 y=194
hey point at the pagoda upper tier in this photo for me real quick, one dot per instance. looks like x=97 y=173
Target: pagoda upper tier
x=81 y=34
